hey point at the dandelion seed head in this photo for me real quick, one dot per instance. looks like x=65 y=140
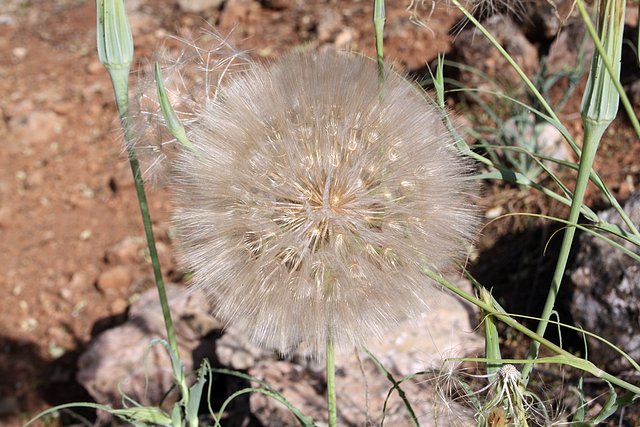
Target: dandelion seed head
x=311 y=205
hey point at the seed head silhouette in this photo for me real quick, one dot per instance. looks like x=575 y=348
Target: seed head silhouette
x=310 y=205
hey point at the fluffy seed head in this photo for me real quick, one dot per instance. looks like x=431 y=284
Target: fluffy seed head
x=311 y=205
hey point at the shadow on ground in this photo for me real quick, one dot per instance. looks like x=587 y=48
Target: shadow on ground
x=27 y=381
x=519 y=268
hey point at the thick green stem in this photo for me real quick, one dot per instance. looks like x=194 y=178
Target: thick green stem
x=331 y=384
x=592 y=137
x=120 y=88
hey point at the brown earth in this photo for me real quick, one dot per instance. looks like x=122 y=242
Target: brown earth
x=71 y=253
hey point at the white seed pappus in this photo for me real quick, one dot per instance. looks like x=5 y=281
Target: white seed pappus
x=311 y=204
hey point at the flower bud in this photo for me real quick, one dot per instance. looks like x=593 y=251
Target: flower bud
x=600 y=100
x=115 y=43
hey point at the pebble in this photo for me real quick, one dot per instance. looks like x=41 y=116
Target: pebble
x=29 y=324
x=80 y=280
x=344 y=38
x=19 y=52
x=119 y=354
x=7 y=20
x=551 y=143
x=119 y=305
x=197 y=6
x=118 y=277
x=35 y=179
x=55 y=350
x=165 y=256
x=95 y=67
x=234 y=12
x=634 y=93
x=127 y=251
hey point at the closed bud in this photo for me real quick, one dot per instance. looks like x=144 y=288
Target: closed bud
x=115 y=43
x=600 y=100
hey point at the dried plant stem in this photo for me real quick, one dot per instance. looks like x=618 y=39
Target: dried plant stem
x=331 y=383
x=120 y=89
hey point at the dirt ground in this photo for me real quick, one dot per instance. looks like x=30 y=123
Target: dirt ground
x=71 y=254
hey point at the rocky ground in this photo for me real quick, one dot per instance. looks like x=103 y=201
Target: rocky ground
x=71 y=242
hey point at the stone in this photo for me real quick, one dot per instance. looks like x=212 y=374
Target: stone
x=418 y=344
x=234 y=350
x=543 y=18
x=362 y=389
x=115 y=278
x=122 y=359
x=605 y=286
x=472 y=48
x=197 y=6
x=565 y=50
x=129 y=250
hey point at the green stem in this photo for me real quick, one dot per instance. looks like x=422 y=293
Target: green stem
x=592 y=137
x=378 y=24
x=331 y=383
x=120 y=88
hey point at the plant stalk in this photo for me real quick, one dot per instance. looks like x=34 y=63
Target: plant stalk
x=331 y=383
x=120 y=88
x=378 y=24
x=599 y=107
x=590 y=147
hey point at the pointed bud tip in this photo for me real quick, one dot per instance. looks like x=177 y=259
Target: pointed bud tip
x=115 y=42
